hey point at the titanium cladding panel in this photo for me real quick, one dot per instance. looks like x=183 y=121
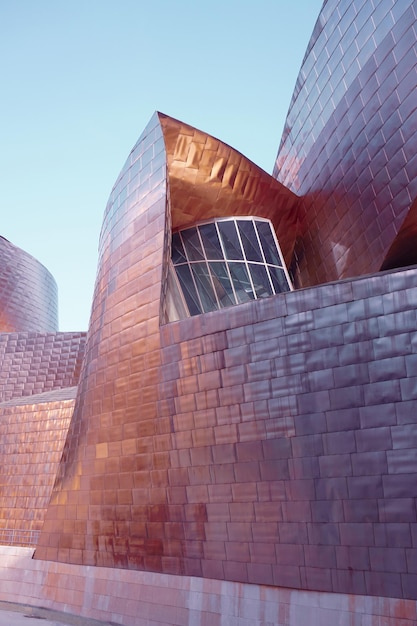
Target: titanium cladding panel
x=28 y=292
x=349 y=142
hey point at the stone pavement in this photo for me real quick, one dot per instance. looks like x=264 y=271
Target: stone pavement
x=22 y=615
x=14 y=618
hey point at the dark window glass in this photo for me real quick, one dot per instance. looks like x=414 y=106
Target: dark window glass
x=260 y=280
x=192 y=244
x=227 y=262
x=178 y=254
x=222 y=284
x=230 y=240
x=211 y=243
x=241 y=282
x=268 y=243
x=250 y=241
x=188 y=289
x=204 y=286
x=279 y=280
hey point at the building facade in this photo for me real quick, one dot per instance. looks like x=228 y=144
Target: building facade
x=348 y=143
x=234 y=421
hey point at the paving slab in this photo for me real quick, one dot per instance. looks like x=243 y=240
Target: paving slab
x=12 y=614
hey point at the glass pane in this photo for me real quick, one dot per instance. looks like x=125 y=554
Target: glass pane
x=241 y=282
x=279 y=280
x=222 y=284
x=188 y=289
x=211 y=243
x=192 y=244
x=204 y=286
x=174 y=300
x=250 y=241
x=268 y=243
x=230 y=240
x=178 y=254
x=260 y=281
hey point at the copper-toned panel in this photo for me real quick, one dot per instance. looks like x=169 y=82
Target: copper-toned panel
x=28 y=292
x=32 y=436
x=208 y=179
x=32 y=363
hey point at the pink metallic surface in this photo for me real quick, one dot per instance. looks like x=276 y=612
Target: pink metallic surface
x=32 y=363
x=32 y=436
x=349 y=143
x=270 y=443
x=28 y=292
x=273 y=442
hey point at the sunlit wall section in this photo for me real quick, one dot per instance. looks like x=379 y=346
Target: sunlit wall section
x=112 y=454
x=209 y=181
x=32 y=435
x=349 y=140
x=28 y=292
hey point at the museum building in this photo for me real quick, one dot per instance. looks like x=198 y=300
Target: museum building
x=234 y=439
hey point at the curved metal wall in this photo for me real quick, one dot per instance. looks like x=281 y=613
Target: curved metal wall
x=270 y=443
x=28 y=292
x=349 y=142
x=116 y=435
x=121 y=429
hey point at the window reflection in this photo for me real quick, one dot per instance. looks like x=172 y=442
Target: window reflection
x=226 y=262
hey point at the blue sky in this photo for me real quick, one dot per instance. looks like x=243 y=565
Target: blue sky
x=80 y=81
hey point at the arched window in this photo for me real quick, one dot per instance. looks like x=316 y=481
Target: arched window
x=226 y=262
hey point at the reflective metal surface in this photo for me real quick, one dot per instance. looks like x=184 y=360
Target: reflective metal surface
x=272 y=443
x=32 y=435
x=349 y=142
x=33 y=363
x=208 y=180
x=28 y=292
x=39 y=371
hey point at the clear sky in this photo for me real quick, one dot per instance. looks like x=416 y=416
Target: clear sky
x=81 y=79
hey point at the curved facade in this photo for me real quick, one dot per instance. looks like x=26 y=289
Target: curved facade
x=349 y=142
x=39 y=371
x=28 y=292
x=271 y=442
x=123 y=416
